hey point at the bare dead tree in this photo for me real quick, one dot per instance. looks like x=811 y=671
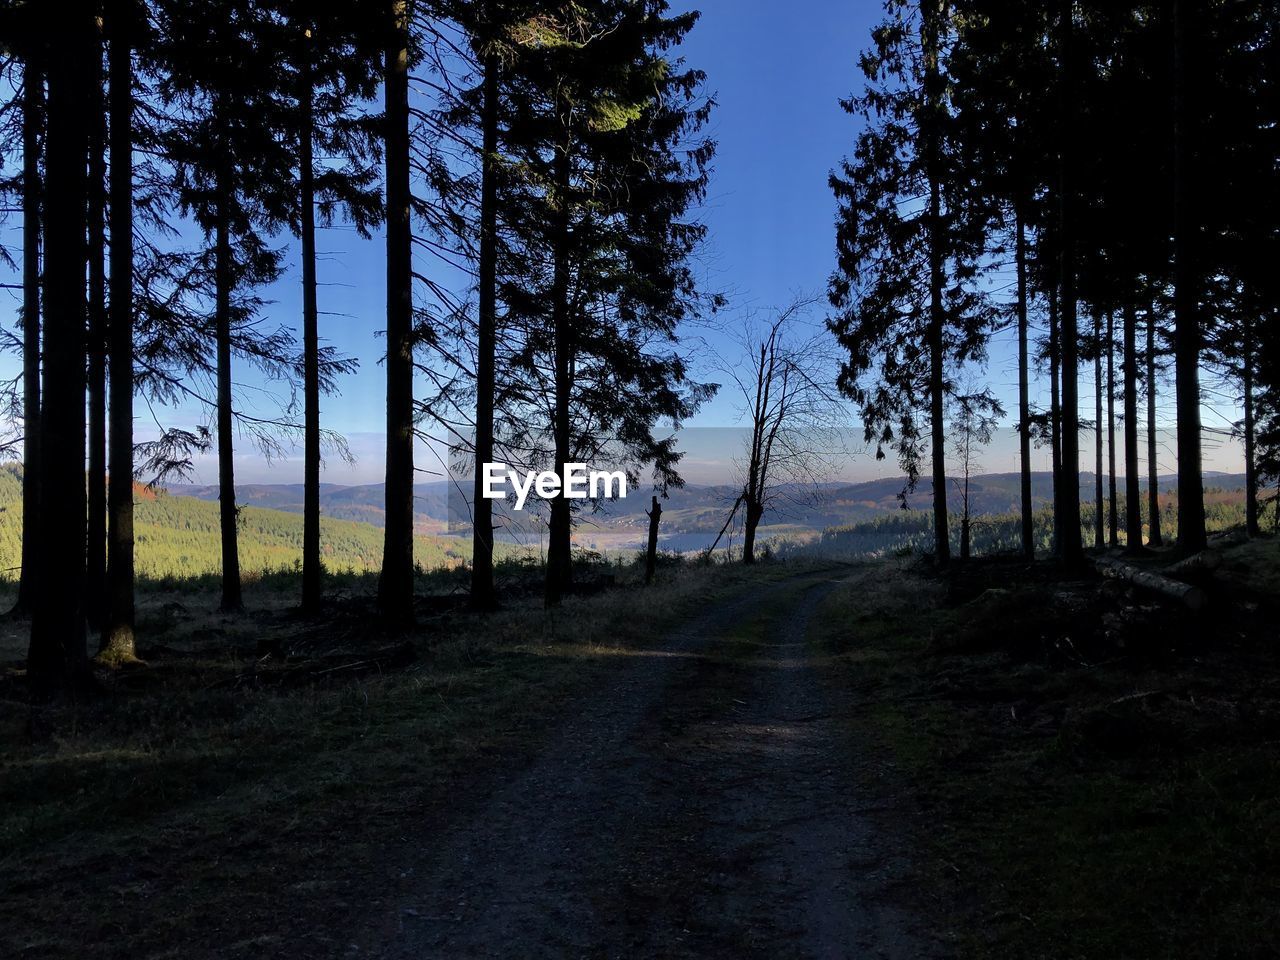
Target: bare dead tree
x=795 y=414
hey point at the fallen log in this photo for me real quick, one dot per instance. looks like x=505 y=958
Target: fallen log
x=1193 y=598
x=1196 y=565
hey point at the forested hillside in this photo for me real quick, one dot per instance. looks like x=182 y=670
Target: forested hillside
x=177 y=537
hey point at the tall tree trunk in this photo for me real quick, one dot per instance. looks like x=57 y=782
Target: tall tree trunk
x=395 y=584
x=311 y=568
x=1071 y=546
x=1024 y=396
x=1055 y=415
x=32 y=121
x=483 y=596
x=1113 y=505
x=1247 y=360
x=1155 y=537
x=117 y=638
x=57 y=658
x=560 y=526
x=232 y=596
x=1187 y=332
x=96 y=482
x=933 y=12
x=1132 y=490
x=1099 y=513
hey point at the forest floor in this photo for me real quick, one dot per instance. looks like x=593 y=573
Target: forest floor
x=1094 y=773
x=644 y=773
x=791 y=761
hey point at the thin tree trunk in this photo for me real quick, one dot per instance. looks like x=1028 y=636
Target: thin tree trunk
x=559 y=547
x=1055 y=416
x=1113 y=505
x=1099 y=513
x=57 y=659
x=756 y=467
x=395 y=584
x=1187 y=333
x=651 y=553
x=232 y=596
x=1247 y=359
x=751 y=523
x=32 y=120
x=1024 y=396
x=483 y=596
x=96 y=576
x=1153 y=463
x=1071 y=546
x=933 y=12
x=118 y=638
x=1132 y=491
x=312 y=570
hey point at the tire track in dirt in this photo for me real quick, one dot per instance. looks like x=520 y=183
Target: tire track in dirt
x=702 y=804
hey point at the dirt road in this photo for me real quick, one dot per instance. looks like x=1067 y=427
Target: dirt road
x=703 y=804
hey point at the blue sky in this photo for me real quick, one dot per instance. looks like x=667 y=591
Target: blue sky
x=777 y=72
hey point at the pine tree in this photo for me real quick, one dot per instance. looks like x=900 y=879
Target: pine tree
x=117 y=642
x=395 y=583
x=229 y=150
x=57 y=657
x=907 y=307
x=335 y=66
x=604 y=128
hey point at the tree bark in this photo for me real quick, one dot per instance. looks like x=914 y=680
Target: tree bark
x=1024 y=396
x=312 y=570
x=1099 y=512
x=1187 y=330
x=96 y=576
x=32 y=121
x=1191 y=597
x=118 y=637
x=651 y=554
x=1055 y=415
x=1113 y=504
x=1153 y=465
x=1132 y=490
x=232 y=595
x=937 y=317
x=559 y=547
x=395 y=584
x=57 y=659
x=1247 y=360
x=1071 y=546
x=483 y=596
x=751 y=523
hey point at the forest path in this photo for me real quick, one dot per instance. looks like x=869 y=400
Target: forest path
x=702 y=804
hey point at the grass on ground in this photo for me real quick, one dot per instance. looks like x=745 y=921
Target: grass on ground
x=1093 y=775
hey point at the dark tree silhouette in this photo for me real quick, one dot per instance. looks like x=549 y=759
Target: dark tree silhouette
x=33 y=112
x=910 y=243
x=395 y=583
x=57 y=657
x=117 y=642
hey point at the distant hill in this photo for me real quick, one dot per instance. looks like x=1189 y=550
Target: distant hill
x=691 y=515
x=177 y=529
x=363 y=503
x=177 y=536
